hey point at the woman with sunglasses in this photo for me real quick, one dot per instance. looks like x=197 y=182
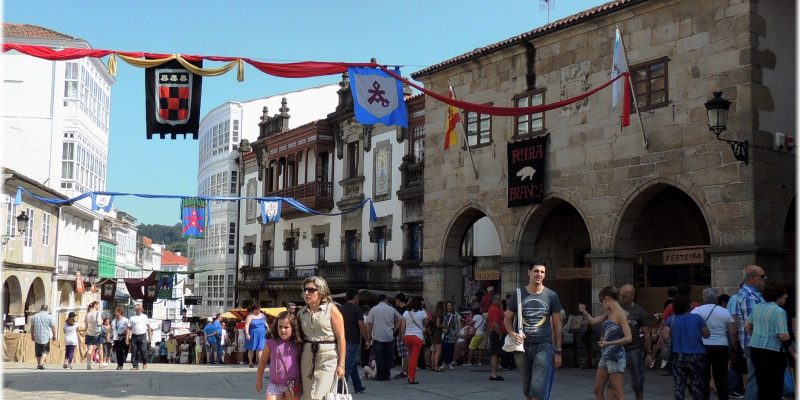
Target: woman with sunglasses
x=322 y=328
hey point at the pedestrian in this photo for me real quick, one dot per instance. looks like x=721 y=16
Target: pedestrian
x=220 y=339
x=436 y=329
x=486 y=300
x=224 y=343
x=497 y=333
x=172 y=349
x=185 y=352
x=450 y=323
x=212 y=340
x=354 y=330
x=686 y=290
x=93 y=321
x=141 y=334
x=640 y=322
x=748 y=296
x=415 y=320
x=479 y=323
x=162 y=350
x=70 y=339
x=43 y=331
x=240 y=336
x=541 y=336
x=383 y=321
x=616 y=334
x=686 y=332
x=322 y=330
x=768 y=335
x=199 y=345
x=107 y=332
x=121 y=336
x=292 y=308
x=283 y=354
x=671 y=292
x=735 y=379
x=720 y=325
x=255 y=330
x=401 y=304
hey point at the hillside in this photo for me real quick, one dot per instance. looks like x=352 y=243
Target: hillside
x=169 y=235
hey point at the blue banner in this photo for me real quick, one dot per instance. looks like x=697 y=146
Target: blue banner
x=377 y=97
x=270 y=210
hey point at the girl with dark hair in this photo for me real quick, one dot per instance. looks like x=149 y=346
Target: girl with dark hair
x=415 y=320
x=687 y=331
x=768 y=329
x=70 y=340
x=283 y=354
x=479 y=323
x=108 y=340
x=450 y=322
x=436 y=336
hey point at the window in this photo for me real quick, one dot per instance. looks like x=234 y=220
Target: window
x=351 y=238
x=46 y=229
x=379 y=236
x=67 y=160
x=29 y=232
x=531 y=123
x=352 y=160
x=650 y=84
x=413 y=250
x=416 y=143
x=234 y=181
x=479 y=128
x=290 y=251
x=11 y=219
x=71 y=80
x=235 y=133
x=232 y=234
x=319 y=245
x=266 y=254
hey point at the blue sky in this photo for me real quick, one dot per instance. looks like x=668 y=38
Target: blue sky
x=414 y=34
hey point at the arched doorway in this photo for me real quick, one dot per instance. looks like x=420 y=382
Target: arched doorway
x=36 y=297
x=66 y=289
x=473 y=243
x=12 y=299
x=667 y=232
x=556 y=234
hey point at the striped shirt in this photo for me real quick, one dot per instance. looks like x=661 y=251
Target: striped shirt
x=768 y=321
x=746 y=299
x=42 y=324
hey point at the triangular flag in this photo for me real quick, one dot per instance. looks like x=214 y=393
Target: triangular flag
x=18 y=197
x=620 y=90
x=373 y=216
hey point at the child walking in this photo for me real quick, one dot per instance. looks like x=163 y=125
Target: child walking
x=70 y=340
x=283 y=354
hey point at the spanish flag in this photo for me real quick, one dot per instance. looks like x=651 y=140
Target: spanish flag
x=453 y=118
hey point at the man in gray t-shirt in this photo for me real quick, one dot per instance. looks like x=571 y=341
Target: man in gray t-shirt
x=541 y=333
x=638 y=319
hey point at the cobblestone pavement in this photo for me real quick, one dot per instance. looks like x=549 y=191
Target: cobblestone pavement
x=162 y=381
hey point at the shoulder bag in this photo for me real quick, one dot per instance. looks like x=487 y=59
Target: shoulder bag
x=333 y=395
x=510 y=345
x=292 y=384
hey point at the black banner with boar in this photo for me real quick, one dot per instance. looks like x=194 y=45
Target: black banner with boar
x=526 y=159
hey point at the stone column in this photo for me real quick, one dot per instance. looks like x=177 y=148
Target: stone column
x=513 y=274
x=609 y=269
x=442 y=280
x=727 y=266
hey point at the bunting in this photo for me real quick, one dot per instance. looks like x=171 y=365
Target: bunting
x=102 y=202
x=377 y=97
x=166 y=281
x=194 y=217
x=270 y=211
x=173 y=99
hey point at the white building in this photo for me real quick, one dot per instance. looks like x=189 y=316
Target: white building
x=221 y=131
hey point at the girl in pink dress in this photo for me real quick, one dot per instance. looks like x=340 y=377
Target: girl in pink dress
x=283 y=353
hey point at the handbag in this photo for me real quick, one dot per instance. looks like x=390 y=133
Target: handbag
x=510 y=345
x=333 y=395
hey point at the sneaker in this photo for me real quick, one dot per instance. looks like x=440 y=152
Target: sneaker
x=88 y=365
x=478 y=364
x=451 y=367
x=735 y=395
x=119 y=368
x=104 y=364
x=40 y=367
x=401 y=375
x=466 y=365
x=65 y=366
x=363 y=389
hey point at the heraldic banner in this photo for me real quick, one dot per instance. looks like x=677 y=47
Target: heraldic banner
x=108 y=289
x=172 y=100
x=166 y=281
x=377 y=97
x=526 y=160
x=194 y=213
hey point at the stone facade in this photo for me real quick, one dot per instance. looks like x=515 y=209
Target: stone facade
x=610 y=184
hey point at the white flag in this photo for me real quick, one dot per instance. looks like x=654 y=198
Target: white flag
x=619 y=66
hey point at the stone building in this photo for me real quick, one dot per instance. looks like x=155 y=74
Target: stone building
x=616 y=209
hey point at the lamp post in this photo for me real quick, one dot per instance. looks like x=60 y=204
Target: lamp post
x=22 y=227
x=717 y=109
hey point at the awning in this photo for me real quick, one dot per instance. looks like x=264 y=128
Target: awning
x=241 y=313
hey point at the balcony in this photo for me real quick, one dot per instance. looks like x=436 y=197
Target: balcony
x=352 y=192
x=69 y=265
x=411 y=180
x=255 y=278
x=314 y=195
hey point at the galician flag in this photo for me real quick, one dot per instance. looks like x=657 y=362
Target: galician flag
x=453 y=118
x=620 y=90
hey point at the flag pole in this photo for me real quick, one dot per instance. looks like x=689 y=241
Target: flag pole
x=463 y=131
x=630 y=86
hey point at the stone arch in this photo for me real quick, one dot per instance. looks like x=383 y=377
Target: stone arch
x=533 y=220
x=12 y=297
x=628 y=215
x=36 y=297
x=458 y=227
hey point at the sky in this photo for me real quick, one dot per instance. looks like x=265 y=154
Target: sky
x=414 y=34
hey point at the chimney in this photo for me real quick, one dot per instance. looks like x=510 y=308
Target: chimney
x=178 y=253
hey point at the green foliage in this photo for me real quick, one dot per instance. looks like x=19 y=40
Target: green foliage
x=164 y=234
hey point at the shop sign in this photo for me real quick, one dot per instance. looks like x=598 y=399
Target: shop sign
x=192 y=300
x=487 y=275
x=526 y=160
x=684 y=256
x=573 y=273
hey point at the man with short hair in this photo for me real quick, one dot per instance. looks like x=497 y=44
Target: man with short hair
x=354 y=331
x=172 y=348
x=212 y=340
x=220 y=338
x=141 y=334
x=382 y=322
x=639 y=320
x=747 y=298
x=497 y=333
x=43 y=331
x=541 y=335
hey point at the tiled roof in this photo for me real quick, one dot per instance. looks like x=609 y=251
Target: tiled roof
x=551 y=27
x=32 y=31
x=170 y=258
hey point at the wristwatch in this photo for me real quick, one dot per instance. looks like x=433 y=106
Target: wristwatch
x=557 y=352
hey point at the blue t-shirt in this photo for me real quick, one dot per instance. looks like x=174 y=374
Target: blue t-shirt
x=209 y=330
x=218 y=326
x=686 y=333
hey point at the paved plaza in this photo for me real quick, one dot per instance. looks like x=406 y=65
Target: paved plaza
x=162 y=381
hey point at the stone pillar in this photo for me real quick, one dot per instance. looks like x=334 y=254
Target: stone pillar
x=727 y=266
x=609 y=269
x=513 y=274
x=442 y=280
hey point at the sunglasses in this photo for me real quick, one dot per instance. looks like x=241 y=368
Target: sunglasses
x=309 y=290
x=763 y=276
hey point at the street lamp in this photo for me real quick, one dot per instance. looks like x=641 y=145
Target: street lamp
x=22 y=227
x=717 y=109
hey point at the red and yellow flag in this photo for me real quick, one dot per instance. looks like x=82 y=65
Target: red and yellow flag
x=453 y=118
